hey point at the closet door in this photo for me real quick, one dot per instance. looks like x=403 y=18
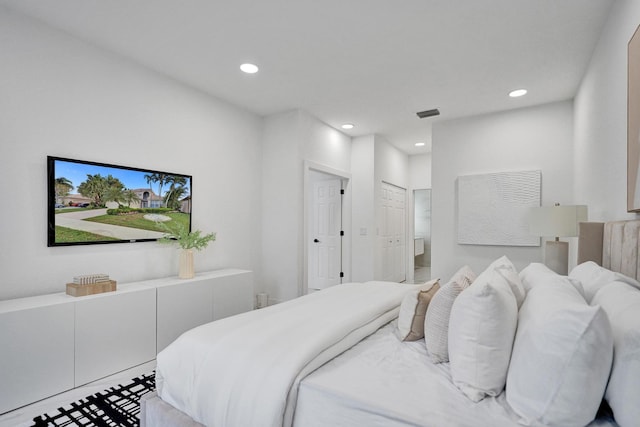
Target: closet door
x=392 y=237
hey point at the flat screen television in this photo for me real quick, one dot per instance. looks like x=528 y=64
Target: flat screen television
x=98 y=203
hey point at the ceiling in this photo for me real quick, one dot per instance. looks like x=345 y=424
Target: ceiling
x=373 y=63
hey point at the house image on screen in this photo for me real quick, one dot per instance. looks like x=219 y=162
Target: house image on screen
x=185 y=205
x=146 y=199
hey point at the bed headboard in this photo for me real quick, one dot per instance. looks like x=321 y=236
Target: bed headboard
x=613 y=245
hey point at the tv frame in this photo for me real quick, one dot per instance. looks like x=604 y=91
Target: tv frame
x=97 y=168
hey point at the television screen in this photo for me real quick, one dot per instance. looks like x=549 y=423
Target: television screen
x=96 y=203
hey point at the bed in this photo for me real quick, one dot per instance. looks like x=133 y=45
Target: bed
x=343 y=357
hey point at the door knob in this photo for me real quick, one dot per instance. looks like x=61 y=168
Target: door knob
x=316 y=241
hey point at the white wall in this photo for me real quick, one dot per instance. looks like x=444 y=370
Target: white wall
x=601 y=119
x=281 y=214
x=420 y=171
x=391 y=164
x=374 y=160
x=63 y=97
x=323 y=144
x=537 y=138
x=289 y=139
x=364 y=225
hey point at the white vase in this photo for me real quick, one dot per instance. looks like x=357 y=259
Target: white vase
x=185 y=267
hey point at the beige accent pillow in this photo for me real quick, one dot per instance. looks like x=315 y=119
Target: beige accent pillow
x=436 y=322
x=413 y=310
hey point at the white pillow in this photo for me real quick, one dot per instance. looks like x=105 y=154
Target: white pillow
x=537 y=273
x=481 y=331
x=413 y=310
x=436 y=322
x=593 y=277
x=509 y=273
x=621 y=302
x=561 y=357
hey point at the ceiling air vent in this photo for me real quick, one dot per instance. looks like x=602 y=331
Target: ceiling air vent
x=428 y=113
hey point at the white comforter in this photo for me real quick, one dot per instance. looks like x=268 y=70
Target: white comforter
x=244 y=370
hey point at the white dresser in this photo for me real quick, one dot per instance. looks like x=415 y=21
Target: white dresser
x=53 y=343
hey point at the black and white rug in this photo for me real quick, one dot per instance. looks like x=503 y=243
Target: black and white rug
x=116 y=406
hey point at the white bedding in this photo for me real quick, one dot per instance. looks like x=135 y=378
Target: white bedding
x=383 y=382
x=244 y=370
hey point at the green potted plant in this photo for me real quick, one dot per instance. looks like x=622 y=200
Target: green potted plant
x=188 y=241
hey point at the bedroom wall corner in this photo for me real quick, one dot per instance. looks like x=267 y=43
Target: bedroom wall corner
x=289 y=139
x=281 y=215
x=392 y=167
x=62 y=96
x=601 y=119
x=534 y=138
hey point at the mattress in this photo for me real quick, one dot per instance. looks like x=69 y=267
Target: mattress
x=388 y=383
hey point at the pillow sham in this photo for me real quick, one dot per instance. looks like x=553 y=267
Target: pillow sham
x=537 y=273
x=505 y=268
x=621 y=302
x=481 y=332
x=436 y=322
x=561 y=357
x=593 y=277
x=413 y=310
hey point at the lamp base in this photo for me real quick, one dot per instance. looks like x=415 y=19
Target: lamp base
x=556 y=256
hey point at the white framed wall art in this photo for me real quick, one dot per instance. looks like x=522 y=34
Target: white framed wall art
x=493 y=208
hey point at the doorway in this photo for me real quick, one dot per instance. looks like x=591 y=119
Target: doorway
x=326 y=224
x=422 y=235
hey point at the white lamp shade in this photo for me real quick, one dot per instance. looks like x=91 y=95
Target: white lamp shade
x=558 y=221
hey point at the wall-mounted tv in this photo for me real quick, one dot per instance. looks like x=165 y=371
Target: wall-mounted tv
x=97 y=203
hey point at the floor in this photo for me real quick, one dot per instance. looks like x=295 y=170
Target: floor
x=23 y=416
x=421 y=274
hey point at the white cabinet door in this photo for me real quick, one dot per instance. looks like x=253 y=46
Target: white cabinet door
x=232 y=294
x=36 y=354
x=114 y=331
x=182 y=306
x=185 y=304
x=53 y=343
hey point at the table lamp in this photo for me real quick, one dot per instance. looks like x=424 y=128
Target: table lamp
x=558 y=221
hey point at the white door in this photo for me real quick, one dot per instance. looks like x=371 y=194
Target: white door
x=386 y=236
x=325 y=245
x=392 y=237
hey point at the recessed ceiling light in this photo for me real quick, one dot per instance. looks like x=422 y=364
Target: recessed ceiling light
x=249 y=68
x=518 y=92
x=347 y=126
x=419 y=144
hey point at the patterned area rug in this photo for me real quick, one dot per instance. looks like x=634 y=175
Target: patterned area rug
x=116 y=406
